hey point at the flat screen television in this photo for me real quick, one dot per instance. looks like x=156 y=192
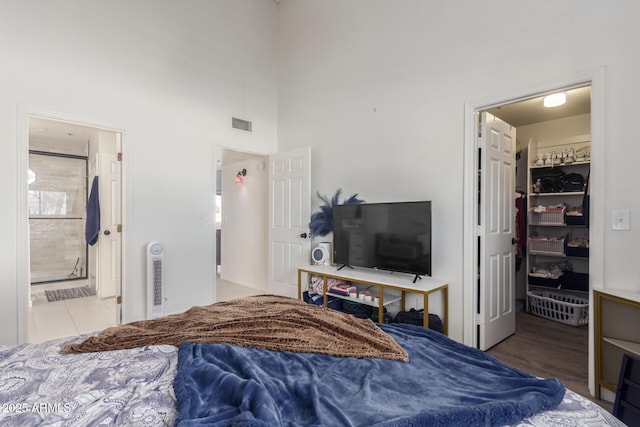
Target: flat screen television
x=387 y=236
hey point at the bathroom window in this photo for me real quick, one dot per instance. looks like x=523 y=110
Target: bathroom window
x=47 y=203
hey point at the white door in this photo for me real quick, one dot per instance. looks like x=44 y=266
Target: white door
x=496 y=291
x=289 y=206
x=109 y=250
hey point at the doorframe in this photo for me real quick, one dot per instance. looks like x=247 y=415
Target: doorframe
x=218 y=154
x=24 y=112
x=594 y=78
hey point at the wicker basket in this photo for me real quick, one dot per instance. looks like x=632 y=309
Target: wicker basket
x=546 y=218
x=563 y=308
x=547 y=246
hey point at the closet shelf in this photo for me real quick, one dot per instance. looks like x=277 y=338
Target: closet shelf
x=387 y=301
x=560 y=194
x=562 y=165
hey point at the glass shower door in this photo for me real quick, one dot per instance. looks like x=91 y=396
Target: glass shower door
x=57 y=215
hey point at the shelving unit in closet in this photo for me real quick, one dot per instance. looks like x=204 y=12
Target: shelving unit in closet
x=557 y=245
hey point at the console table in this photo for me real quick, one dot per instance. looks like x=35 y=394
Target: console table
x=617 y=315
x=383 y=280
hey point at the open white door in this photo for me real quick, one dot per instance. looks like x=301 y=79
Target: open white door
x=110 y=241
x=289 y=214
x=496 y=289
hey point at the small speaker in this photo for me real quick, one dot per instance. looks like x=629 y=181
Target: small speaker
x=321 y=254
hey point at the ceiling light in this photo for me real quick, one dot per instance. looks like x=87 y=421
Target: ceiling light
x=555 y=100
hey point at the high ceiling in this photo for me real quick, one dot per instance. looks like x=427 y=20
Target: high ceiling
x=533 y=111
x=68 y=137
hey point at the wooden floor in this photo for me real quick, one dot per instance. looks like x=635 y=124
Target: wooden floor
x=546 y=348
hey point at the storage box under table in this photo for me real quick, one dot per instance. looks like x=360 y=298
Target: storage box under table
x=564 y=308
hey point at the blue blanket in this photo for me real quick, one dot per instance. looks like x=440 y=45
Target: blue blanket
x=443 y=384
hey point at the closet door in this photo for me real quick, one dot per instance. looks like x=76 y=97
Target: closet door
x=496 y=319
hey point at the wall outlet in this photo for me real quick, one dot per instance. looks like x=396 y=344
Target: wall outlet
x=620 y=219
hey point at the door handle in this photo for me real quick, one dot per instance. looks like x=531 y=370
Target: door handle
x=514 y=240
x=304 y=235
x=107 y=232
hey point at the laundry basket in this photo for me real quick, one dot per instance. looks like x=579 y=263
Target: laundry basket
x=563 y=308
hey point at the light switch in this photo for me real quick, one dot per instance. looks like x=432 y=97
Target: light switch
x=620 y=219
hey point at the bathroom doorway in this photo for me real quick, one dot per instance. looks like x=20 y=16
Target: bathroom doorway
x=74 y=277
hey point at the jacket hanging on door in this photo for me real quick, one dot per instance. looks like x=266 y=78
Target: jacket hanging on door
x=92 y=227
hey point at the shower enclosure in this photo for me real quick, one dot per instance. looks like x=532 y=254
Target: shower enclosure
x=58 y=186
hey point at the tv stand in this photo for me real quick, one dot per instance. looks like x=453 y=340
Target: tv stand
x=343 y=266
x=383 y=280
x=415 y=279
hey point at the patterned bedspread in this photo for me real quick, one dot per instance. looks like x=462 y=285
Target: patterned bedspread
x=40 y=386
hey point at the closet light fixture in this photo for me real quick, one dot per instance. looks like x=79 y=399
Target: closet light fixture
x=555 y=100
x=240 y=176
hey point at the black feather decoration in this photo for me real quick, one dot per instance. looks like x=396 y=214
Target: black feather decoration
x=321 y=222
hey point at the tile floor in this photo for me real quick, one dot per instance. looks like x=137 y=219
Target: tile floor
x=77 y=316
x=229 y=290
x=72 y=317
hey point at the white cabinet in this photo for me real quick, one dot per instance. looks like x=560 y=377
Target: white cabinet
x=557 y=247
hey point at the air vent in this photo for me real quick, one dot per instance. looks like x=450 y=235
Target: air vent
x=155 y=280
x=237 y=123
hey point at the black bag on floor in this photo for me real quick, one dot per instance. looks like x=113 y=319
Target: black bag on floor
x=416 y=317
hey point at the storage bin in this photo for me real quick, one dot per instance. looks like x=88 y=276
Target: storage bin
x=575 y=220
x=543 y=281
x=575 y=281
x=356 y=309
x=563 y=308
x=577 y=252
x=317 y=299
x=550 y=246
x=546 y=218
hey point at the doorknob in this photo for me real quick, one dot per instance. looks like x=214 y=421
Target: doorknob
x=514 y=240
x=303 y=235
x=107 y=232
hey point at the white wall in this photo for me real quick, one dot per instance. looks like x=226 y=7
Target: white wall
x=170 y=75
x=378 y=89
x=554 y=129
x=244 y=223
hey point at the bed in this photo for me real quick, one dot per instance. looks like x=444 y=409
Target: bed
x=269 y=360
